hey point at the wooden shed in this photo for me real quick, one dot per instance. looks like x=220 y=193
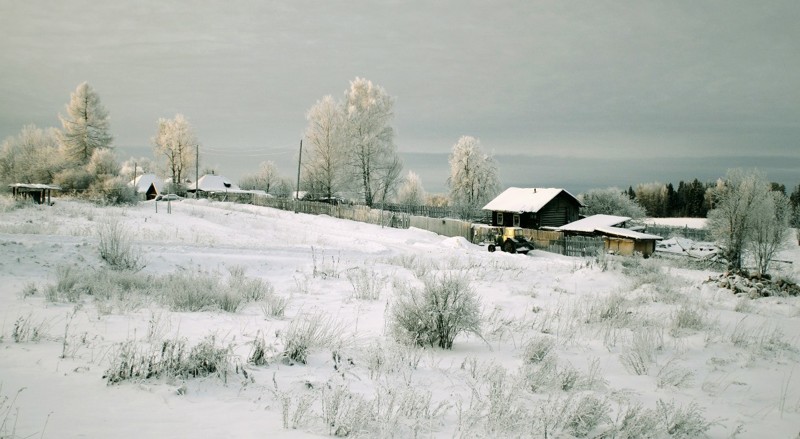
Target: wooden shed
x=617 y=239
x=534 y=208
x=39 y=193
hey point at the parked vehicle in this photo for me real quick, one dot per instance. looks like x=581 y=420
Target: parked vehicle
x=507 y=239
x=168 y=197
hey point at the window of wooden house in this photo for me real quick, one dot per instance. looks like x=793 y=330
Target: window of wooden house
x=516 y=220
x=499 y=218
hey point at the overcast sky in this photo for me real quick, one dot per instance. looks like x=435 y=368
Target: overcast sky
x=569 y=94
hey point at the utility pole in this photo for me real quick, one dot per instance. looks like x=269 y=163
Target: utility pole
x=297 y=191
x=196 y=168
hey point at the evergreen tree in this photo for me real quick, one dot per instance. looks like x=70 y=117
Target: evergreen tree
x=85 y=127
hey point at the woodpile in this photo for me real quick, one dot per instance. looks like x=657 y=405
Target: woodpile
x=755 y=286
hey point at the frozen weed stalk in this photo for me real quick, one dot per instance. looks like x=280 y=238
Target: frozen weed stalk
x=310 y=331
x=116 y=246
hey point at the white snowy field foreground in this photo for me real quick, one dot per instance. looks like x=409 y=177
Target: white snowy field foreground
x=601 y=346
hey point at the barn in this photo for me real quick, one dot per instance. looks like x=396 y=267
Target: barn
x=534 y=208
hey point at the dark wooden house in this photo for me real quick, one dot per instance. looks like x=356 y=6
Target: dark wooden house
x=534 y=208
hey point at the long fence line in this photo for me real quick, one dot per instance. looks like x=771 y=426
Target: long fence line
x=550 y=241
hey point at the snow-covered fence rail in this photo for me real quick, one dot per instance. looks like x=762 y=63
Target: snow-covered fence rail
x=343 y=211
x=443 y=226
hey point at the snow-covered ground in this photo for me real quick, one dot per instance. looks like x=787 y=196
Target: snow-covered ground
x=624 y=333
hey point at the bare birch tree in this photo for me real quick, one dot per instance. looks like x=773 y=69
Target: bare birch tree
x=473 y=177
x=323 y=170
x=176 y=143
x=369 y=138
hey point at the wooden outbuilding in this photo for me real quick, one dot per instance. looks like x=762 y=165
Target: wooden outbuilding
x=39 y=193
x=616 y=237
x=534 y=208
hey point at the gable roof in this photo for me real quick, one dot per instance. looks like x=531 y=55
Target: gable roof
x=516 y=199
x=216 y=183
x=142 y=183
x=592 y=223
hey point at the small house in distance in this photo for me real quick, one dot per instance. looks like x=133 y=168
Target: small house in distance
x=147 y=186
x=533 y=208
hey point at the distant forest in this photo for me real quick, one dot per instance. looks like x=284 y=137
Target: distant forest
x=691 y=199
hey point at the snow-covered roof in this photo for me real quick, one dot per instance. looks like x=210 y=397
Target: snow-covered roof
x=142 y=183
x=626 y=233
x=35 y=186
x=216 y=183
x=592 y=223
x=517 y=199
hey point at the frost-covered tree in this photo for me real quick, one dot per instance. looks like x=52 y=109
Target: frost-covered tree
x=738 y=200
x=265 y=179
x=369 y=138
x=770 y=228
x=473 y=177
x=32 y=156
x=324 y=165
x=85 y=126
x=103 y=164
x=610 y=201
x=176 y=144
x=794 y=199
x=654 y=198
x=411 y=191
x=136 y=166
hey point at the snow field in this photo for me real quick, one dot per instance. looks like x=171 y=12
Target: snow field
x=576 y=347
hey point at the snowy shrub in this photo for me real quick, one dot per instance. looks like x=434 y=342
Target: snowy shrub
x=680 y=422
x=690 y=316
x=405 y=410
x=765 y=341
x=537 y=349
x=635 y=422
x=169 y=359
x=249 y=289
x=116 y=246
x=324 y=267
x=435 y=315
x=261 y=354
x=392 y=358
x=191 y=292
x=541 y=376
x=586 y=415
x=307 y=332
x=274 y=306
x=113 y=192
x=345 y=413
x=67 y=286
x=671 y=374
x=641 y=352
x=367 y=285
x=293 y=416
x=26 y=330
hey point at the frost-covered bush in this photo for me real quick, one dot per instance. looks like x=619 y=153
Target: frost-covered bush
x=367 y=284
x=116 y=246
x=435 y=315
x=308 y=332
x=537 y=349
x=168 y=359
